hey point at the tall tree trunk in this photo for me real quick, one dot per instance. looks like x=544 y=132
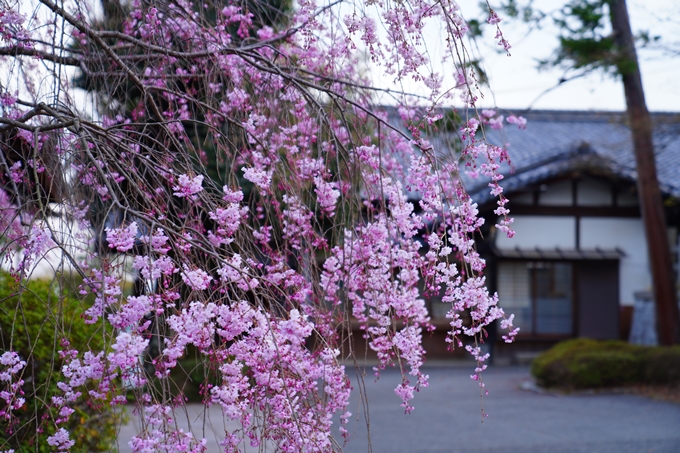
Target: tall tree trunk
x=667 y=316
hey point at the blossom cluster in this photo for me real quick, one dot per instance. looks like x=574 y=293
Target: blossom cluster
x=188 y=187
x=246 y=205
x=10 y=398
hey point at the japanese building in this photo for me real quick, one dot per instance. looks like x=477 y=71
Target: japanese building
x=579 y=257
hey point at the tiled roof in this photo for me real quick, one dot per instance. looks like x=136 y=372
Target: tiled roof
x=557 y=142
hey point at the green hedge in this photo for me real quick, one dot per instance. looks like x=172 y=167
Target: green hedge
x=33 y=322
x=585 y=363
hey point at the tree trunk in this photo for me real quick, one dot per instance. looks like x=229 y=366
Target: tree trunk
x=667 y=317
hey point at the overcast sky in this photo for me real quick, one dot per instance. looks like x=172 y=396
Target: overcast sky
x=516 y=83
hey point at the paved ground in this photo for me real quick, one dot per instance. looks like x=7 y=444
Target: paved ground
x=448 y=418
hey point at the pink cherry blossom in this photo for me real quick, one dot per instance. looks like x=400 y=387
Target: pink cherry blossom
x=123 y=238
x=334 y=213
x=61 y=440
x=520 y=121
x=188 y=187
x=196 y=279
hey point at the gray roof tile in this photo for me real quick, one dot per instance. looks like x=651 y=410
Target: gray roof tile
x=556 y=142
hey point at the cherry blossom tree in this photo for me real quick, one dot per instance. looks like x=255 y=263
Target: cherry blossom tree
x=237 y=165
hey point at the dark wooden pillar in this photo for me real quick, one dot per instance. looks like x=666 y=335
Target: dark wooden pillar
x=668 y=318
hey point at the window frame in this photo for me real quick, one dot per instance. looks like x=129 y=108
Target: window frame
x=533 y=282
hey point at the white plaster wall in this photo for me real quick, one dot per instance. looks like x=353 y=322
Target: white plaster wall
x=66 y=232
x=591 y=192
x=629 y=236
x=546 y=232
x=627 y=198
x=557 y=194
x=523 y=198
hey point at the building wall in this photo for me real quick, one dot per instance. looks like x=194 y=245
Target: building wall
x=629 y=236
x=546 y=232
x=592 y=192
x=556 y=194
x=581 y=227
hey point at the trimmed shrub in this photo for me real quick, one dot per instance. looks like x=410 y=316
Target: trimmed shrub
x=585 y=363
x=33 y=323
